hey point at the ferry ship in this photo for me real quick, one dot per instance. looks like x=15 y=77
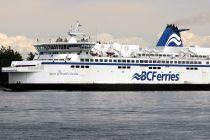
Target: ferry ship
x=80 y=64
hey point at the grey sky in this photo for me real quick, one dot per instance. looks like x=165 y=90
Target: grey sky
x=121 y=18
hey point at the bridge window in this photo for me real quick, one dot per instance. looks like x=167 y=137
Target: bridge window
x=137 y=61
x=96 y=60
x=101 y=60
x=128 y=61
x=86 y=60
x=105 y=60
x=154 y=61
x=124 y=61
x=110 y=60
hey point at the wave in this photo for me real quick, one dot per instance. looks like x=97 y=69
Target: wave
x=175 y=39
x=136 y=76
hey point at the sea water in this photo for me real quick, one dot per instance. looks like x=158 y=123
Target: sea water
x=104 y=115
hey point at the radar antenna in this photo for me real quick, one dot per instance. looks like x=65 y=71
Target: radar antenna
x=75 y=31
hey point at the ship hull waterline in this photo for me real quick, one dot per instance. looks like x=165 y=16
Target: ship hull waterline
x=110 y=87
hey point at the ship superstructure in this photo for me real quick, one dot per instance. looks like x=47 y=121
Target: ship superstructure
x=79 y=64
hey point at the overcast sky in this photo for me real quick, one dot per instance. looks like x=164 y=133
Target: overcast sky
x=120 y=18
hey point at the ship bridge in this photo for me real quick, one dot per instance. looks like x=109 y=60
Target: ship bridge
x=78 y=42
x=63 y=47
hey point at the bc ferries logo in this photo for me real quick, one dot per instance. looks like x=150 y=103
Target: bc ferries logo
x=174 y=38
x=171 y=37
x=154 y=76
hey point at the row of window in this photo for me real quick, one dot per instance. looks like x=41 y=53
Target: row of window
x=128 y=67
x=170 y=55
x=155 y=68
x=124 y=67
x=191 y=68
x=141 y=61
x=198 y=56
x=160 y=55
x=63 y=47
x=80 y=66
x=68 y=59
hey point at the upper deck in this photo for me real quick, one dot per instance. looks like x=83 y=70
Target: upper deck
x=79 y=46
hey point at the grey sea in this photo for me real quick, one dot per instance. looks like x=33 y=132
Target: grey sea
x=104 y=115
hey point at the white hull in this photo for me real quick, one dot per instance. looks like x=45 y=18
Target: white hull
x=62 y=73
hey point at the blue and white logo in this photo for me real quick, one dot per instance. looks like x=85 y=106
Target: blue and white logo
x=174 y=39
x=155 y=76
x=171 y=37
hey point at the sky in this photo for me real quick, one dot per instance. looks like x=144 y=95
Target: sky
x=127 y=21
